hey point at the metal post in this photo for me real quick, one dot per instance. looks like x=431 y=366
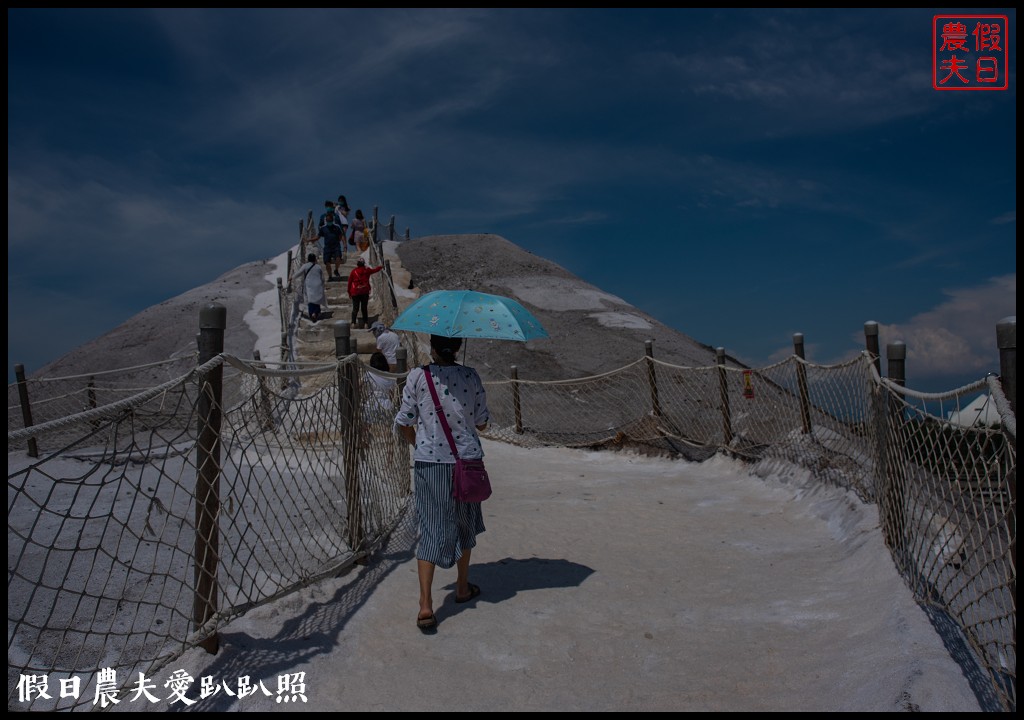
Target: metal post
x=723 y=394
x=212 y=322
x=26 y=408
x=871 y=343
x=801 y=382
x=352 y=432
x=407 y=233
x=288 y=272
x=652 y=378
x=517 y=408
x=391 y=228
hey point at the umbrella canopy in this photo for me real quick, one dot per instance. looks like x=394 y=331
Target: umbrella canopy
x=470 y=314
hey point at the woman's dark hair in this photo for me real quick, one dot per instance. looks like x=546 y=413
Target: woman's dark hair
x=379 y=362
x=447 y=347
x=359 y=214
x=311 y=258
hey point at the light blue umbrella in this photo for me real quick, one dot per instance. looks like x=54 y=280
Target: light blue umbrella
x=470 y=314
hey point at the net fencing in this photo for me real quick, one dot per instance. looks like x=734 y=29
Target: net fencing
x=944 y=487
x=111 y=526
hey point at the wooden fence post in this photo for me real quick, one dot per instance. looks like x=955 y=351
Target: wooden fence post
x=801 y=381
x=26 y=407
x=391 y=285
x=91 y=392
x=212 y=322
x=723 y=394
x=401 y=366
x=281 y=300
x=350 y=424
x=871 y=343
x=517 y=408
x=264 y=409
x=892 y=502
x=1006 y=338
x=652 y=378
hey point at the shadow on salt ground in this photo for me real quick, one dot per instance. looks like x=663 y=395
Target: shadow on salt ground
x=314 y=632
x=503 y=579
x=952 y=637
x=317 y=629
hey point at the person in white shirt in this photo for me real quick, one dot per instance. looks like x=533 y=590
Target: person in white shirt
x=310 y=281
x=447 y=527
x=388 y=343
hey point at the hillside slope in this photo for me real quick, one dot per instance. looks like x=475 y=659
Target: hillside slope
x=591 y=331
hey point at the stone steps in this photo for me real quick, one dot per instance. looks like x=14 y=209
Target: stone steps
x=314 y=342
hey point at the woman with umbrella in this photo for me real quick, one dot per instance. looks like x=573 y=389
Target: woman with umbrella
x=447 y=527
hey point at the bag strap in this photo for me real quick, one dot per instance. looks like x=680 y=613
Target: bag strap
x=440 y=411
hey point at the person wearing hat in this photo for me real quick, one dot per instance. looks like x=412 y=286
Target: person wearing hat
x=359 y=291
x=387 y=342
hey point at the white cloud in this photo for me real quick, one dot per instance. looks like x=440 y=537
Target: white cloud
x=959 y=335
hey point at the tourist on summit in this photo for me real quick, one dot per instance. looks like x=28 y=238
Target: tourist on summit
x=342 y=206
x=447 y=527
x=310 y=281
x=334 y=239
x=359 y=291
x=328 y=208
x=360 y=236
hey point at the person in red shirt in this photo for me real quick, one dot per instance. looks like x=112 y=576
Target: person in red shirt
x=359 y=291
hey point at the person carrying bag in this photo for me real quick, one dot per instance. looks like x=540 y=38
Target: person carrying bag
x=470 y=482
x=444 y=405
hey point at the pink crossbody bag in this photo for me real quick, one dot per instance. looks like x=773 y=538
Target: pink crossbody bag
x=469 y=480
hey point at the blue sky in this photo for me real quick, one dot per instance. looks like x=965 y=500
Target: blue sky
x=740 y=175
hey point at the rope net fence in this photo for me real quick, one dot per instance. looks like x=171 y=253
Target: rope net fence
x=111 y=529
x=944 y=490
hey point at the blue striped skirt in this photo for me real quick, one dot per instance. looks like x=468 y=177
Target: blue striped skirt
x=447 y=526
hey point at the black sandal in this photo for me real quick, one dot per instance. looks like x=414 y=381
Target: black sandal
x=474 y=590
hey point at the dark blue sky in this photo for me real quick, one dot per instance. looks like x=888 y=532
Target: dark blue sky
x=740 y=175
